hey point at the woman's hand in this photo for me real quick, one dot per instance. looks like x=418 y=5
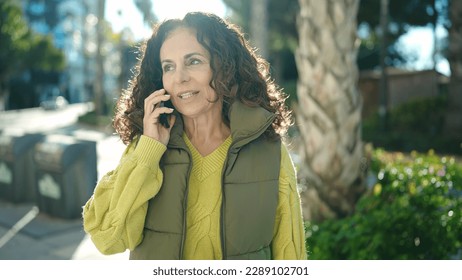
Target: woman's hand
x=152 y=110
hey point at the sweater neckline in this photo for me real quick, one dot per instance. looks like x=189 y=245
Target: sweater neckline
x=223 y=146
x=203 y=166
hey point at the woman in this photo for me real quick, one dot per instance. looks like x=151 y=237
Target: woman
x=213 y=180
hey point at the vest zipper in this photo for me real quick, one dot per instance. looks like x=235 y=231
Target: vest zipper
x=185 y=204
x=222 y=213
x=223 y=204
x=234 y=144
x=185 y=201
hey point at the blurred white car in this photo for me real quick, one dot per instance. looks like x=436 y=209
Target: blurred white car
x=54 y=103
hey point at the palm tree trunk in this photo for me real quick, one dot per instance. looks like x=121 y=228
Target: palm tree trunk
x=329 y=111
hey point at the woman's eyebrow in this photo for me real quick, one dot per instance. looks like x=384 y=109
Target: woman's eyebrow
x=185 y=57
x=193 y=54
x=165 y=60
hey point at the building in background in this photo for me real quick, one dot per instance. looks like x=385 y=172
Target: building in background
x=72 y=26
x=404 y=86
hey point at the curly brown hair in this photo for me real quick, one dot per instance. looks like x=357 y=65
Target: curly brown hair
x=238 y=73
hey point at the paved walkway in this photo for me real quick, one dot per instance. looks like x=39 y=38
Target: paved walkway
x=28 y=234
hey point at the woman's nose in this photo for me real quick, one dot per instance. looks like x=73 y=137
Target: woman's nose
x=181 y=75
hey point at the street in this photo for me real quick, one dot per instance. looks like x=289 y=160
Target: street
x=39 y=120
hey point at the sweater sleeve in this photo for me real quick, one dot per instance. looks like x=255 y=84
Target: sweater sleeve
x=289 y=234
x=114 y=215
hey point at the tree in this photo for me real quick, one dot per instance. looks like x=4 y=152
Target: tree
x=329 y=111
x=145 y=7
x=454 y=113
x=43 y=55
x=402 y=16
x=259 y=26
x=98 y=83
x=281 y=33
x=21 y=49
x=337 y=103
x=283 y=36
x=14 y=38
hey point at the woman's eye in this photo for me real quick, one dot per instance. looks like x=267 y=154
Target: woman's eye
x=194 y=61
x=167 y=68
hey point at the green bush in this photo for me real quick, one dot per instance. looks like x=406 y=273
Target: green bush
x=92 y=119
x=413 y=211
x=416 y=125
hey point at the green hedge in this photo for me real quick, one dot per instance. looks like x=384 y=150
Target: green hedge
x=416 y=125
x=412 y=211
x=92 y=119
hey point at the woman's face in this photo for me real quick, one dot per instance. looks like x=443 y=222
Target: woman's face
x=187 y=74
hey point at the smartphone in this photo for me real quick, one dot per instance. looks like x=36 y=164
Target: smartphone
x=163 y=118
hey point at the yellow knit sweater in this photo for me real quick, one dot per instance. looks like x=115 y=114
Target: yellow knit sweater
x=114 y=215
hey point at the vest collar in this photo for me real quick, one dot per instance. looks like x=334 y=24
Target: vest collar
x=247 y=124
x=176 y=133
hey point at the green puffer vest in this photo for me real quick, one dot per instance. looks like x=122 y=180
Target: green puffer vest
x=250 y=185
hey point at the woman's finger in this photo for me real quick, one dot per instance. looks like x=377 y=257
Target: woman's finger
x=149 y=101
x=154 y=117
x=153 y=101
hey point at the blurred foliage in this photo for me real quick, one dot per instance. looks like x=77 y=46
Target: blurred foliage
x=402 y=16
x=416 y=125
x=43 y=55
x=104 y=121
x=14 y=37
x=20 y=48
x=94 y=120
x=281 y=14
x=290 y=88
x=283 y=33
x=145 y=8
x=413 y=210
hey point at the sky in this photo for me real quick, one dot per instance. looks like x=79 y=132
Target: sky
x=123 y=14
x=421 y=40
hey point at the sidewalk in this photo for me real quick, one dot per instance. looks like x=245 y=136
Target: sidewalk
x=44 y=237
x=28 y=234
